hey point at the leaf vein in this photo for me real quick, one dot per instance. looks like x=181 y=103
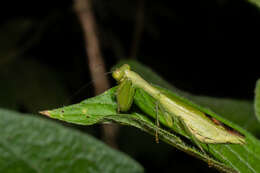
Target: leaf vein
x=241 y=159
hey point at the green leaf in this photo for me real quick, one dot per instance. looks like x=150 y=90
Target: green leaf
x=243 y=158
x=103 y=108
x=257 y=100
x=255 y=2
x=29 y=144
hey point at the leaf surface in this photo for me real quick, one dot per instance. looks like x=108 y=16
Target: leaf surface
x=33 y=145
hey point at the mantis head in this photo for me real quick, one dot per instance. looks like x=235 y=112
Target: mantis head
x=119 y=73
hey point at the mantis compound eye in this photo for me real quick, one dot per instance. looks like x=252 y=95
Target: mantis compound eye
x=118 y=74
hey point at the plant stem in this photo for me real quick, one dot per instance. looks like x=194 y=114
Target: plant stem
x=95 y=60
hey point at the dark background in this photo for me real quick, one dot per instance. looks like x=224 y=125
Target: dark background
x=206 y=47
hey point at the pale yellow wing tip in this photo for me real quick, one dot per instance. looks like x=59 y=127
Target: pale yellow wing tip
x=241 y=141
x=46 y=113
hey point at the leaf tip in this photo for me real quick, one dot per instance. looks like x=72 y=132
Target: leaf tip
x=46 y=113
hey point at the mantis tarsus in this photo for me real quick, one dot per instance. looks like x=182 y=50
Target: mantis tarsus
x=197 y=124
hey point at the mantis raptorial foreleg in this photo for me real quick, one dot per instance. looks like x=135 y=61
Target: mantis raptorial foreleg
x=157 y=123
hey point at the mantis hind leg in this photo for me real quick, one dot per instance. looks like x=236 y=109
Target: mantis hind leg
x=165 y=115
x=157 y=123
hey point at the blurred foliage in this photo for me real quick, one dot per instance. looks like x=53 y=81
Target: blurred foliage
x=30 y=144
x=256 y=2
x=257 y=100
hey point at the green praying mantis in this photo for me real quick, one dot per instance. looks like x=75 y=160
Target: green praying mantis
x=199 y=126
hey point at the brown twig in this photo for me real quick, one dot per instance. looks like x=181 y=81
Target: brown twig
x=84 y=11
